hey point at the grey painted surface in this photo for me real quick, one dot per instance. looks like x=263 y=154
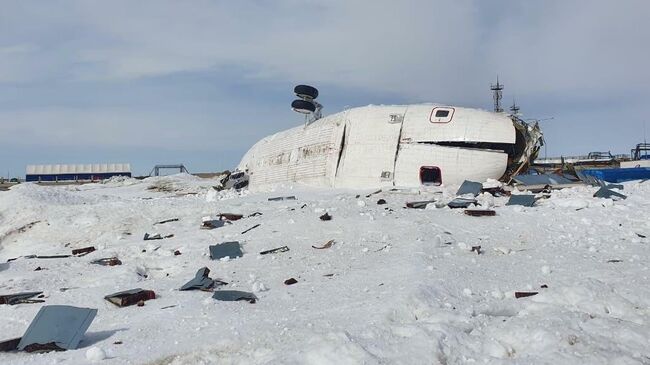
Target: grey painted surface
x=64 y=325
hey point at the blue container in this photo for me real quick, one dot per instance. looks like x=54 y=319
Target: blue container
x=619 y=175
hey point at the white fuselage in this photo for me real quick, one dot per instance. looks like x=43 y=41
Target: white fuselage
x=379 y=146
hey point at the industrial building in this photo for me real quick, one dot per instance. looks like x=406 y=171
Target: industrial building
x=84 y=172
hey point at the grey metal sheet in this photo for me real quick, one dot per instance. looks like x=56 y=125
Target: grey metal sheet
x=527 y=200
x=605 y=192
x=234 y=295
x=470 y=187
x=200 y=281
x=419 y=204
x=545 y=179
x=461 y=203
x=230 y=249
x=63 y=325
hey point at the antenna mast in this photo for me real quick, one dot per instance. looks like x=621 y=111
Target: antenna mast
x=515 y=108
x=497 y=95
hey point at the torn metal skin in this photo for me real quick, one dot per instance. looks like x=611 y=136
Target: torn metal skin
x=529 y=139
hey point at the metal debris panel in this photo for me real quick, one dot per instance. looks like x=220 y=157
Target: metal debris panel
x=230 y=249
x=470 y=187
x=234 y=295
x=527 y=200
x=200 y=281
x=63 y=325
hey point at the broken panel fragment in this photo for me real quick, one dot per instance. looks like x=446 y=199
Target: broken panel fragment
x=130 y=297
x=57 y=328
x=234 y=295
x=226 y=249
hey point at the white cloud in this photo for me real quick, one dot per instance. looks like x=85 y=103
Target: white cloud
x=419 y=50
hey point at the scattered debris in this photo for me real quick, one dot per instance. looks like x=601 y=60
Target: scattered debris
x=606 y=192
x=469 y=187
x=373 y=193
x=461 y=203
x=229 y=216
x=130 y=297
x=226 y=249
x=20 y=298
x=480 y=212
x=545 y=179
x=477 y=249
x=107 y=261
x=250 y=229
x=258 y=213
x=21 y=229
x=523 y=294
x=237 y=180
x=419 y=204
x=83 y=251
x=280 y=198
x=381 y=202
x=325 y=217
x=290 y=281
x=385 y=247
x=526 y=200
x=326 y=245
x=156 y=236
x=234 y=295
x=209 y=223
x=201 y=281
x=496 y=191
x=167 y=221
x=10 y=345
x=275 y=250
x=55 y=328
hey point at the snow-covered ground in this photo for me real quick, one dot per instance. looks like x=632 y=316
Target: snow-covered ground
x=399 y=286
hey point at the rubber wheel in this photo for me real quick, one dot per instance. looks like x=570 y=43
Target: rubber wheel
x=306 y=91
x=303 y=106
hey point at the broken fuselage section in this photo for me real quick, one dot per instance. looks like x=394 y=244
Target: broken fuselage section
x=406 y=145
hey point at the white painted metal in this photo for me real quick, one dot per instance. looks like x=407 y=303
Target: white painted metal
x=466 y=125
x=307 y=154
x=382 y=146
x=371 y=144
x=455 y=164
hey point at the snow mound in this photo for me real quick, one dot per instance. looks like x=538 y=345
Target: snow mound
x=398 y=286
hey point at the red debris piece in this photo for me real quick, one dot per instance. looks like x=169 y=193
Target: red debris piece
x=130 y=297
x=83 y=251
x=480 y=212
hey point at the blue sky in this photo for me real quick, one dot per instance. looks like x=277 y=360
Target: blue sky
x=200 y=81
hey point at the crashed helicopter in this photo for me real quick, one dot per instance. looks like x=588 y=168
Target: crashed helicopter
x=379 y=146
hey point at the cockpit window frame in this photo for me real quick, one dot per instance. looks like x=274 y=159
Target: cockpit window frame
x=442 y=120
